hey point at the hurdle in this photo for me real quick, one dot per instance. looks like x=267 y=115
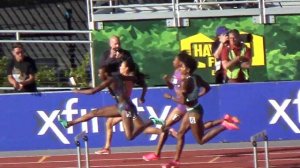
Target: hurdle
x=84 y=137
x=256 y=137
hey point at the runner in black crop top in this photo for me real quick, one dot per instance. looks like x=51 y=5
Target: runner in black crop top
x=126 y=107
x=193 y=119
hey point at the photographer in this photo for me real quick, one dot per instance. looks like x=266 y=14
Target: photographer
x=236 y=59
x=220 y=42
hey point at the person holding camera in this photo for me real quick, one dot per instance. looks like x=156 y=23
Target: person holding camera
x=114 y=56
x=236 y=59
x=221 y=41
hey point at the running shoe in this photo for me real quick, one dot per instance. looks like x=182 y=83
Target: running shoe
x=173 y=132
x=172 y=164
x=63 y=122
x=231 y=119
x=103 y=151
x=156 y=121
x=229 y=125
x=150 y=157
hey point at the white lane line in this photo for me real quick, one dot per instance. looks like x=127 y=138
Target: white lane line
x=43 y=159
x=139 y=158
x=249 y=154
x=214 y=159
x=141 y=165
x=188 y=150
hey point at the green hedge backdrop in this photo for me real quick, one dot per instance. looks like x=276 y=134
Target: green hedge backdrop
x=154 y=45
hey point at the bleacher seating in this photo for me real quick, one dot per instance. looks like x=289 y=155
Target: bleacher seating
x=46 y=16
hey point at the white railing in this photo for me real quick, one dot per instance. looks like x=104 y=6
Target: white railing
x=199 y=8
x=16 y=36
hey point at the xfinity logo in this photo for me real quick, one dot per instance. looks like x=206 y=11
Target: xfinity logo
x=51 y=123
x=281 y=113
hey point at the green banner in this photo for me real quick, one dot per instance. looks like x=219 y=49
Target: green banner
x=154 y=45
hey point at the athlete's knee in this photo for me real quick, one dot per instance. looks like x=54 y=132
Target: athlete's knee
x=169 y=123
x=129 y=137
x=200 y=141
x=108 y=124
x=180 y=135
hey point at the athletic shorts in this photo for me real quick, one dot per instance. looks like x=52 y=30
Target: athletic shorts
x=195 y=109
x=127 y=107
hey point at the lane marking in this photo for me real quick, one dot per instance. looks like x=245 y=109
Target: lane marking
x=214 y=159
x=140 y=165
x=146 y=165
x=169 y=150
x=43 y=159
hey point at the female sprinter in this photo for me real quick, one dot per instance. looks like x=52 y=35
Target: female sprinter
x=193 y=118
x=120 y=86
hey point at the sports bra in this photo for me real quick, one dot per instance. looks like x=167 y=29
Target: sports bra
x=120 y=88
x=176 y=80
x=194 y=94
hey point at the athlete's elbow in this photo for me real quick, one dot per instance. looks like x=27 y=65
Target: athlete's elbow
x=206 y=88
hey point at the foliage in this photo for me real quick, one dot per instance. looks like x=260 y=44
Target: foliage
x=3 y=76
x=283 y=67
x=282 y=46
x=152 y=48
x=46 y=76
x=79 y=73
x=153 y=45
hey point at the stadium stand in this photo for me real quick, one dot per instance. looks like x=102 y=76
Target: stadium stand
x=46 y=16
x=72 y=15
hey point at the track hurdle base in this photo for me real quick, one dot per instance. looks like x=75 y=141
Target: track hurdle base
x=261 y=136
x=78 y=138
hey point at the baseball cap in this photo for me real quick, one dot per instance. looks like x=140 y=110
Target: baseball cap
x=221 y=30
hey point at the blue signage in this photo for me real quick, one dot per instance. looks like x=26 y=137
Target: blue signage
x=29 y=121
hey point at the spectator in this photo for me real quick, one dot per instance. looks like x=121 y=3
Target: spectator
x=236 y=59
x=113 y=57
x=221 y=41
x=21 y=70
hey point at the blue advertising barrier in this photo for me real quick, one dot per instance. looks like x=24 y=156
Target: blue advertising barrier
x=29 y=121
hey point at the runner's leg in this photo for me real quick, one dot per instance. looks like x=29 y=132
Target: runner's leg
x=108 y=111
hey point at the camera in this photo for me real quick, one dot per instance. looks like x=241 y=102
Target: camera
x=246 y=38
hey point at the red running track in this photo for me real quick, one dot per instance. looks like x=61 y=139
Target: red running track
x=280 y=157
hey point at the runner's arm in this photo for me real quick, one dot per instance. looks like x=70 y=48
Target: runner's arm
x=96 y=89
